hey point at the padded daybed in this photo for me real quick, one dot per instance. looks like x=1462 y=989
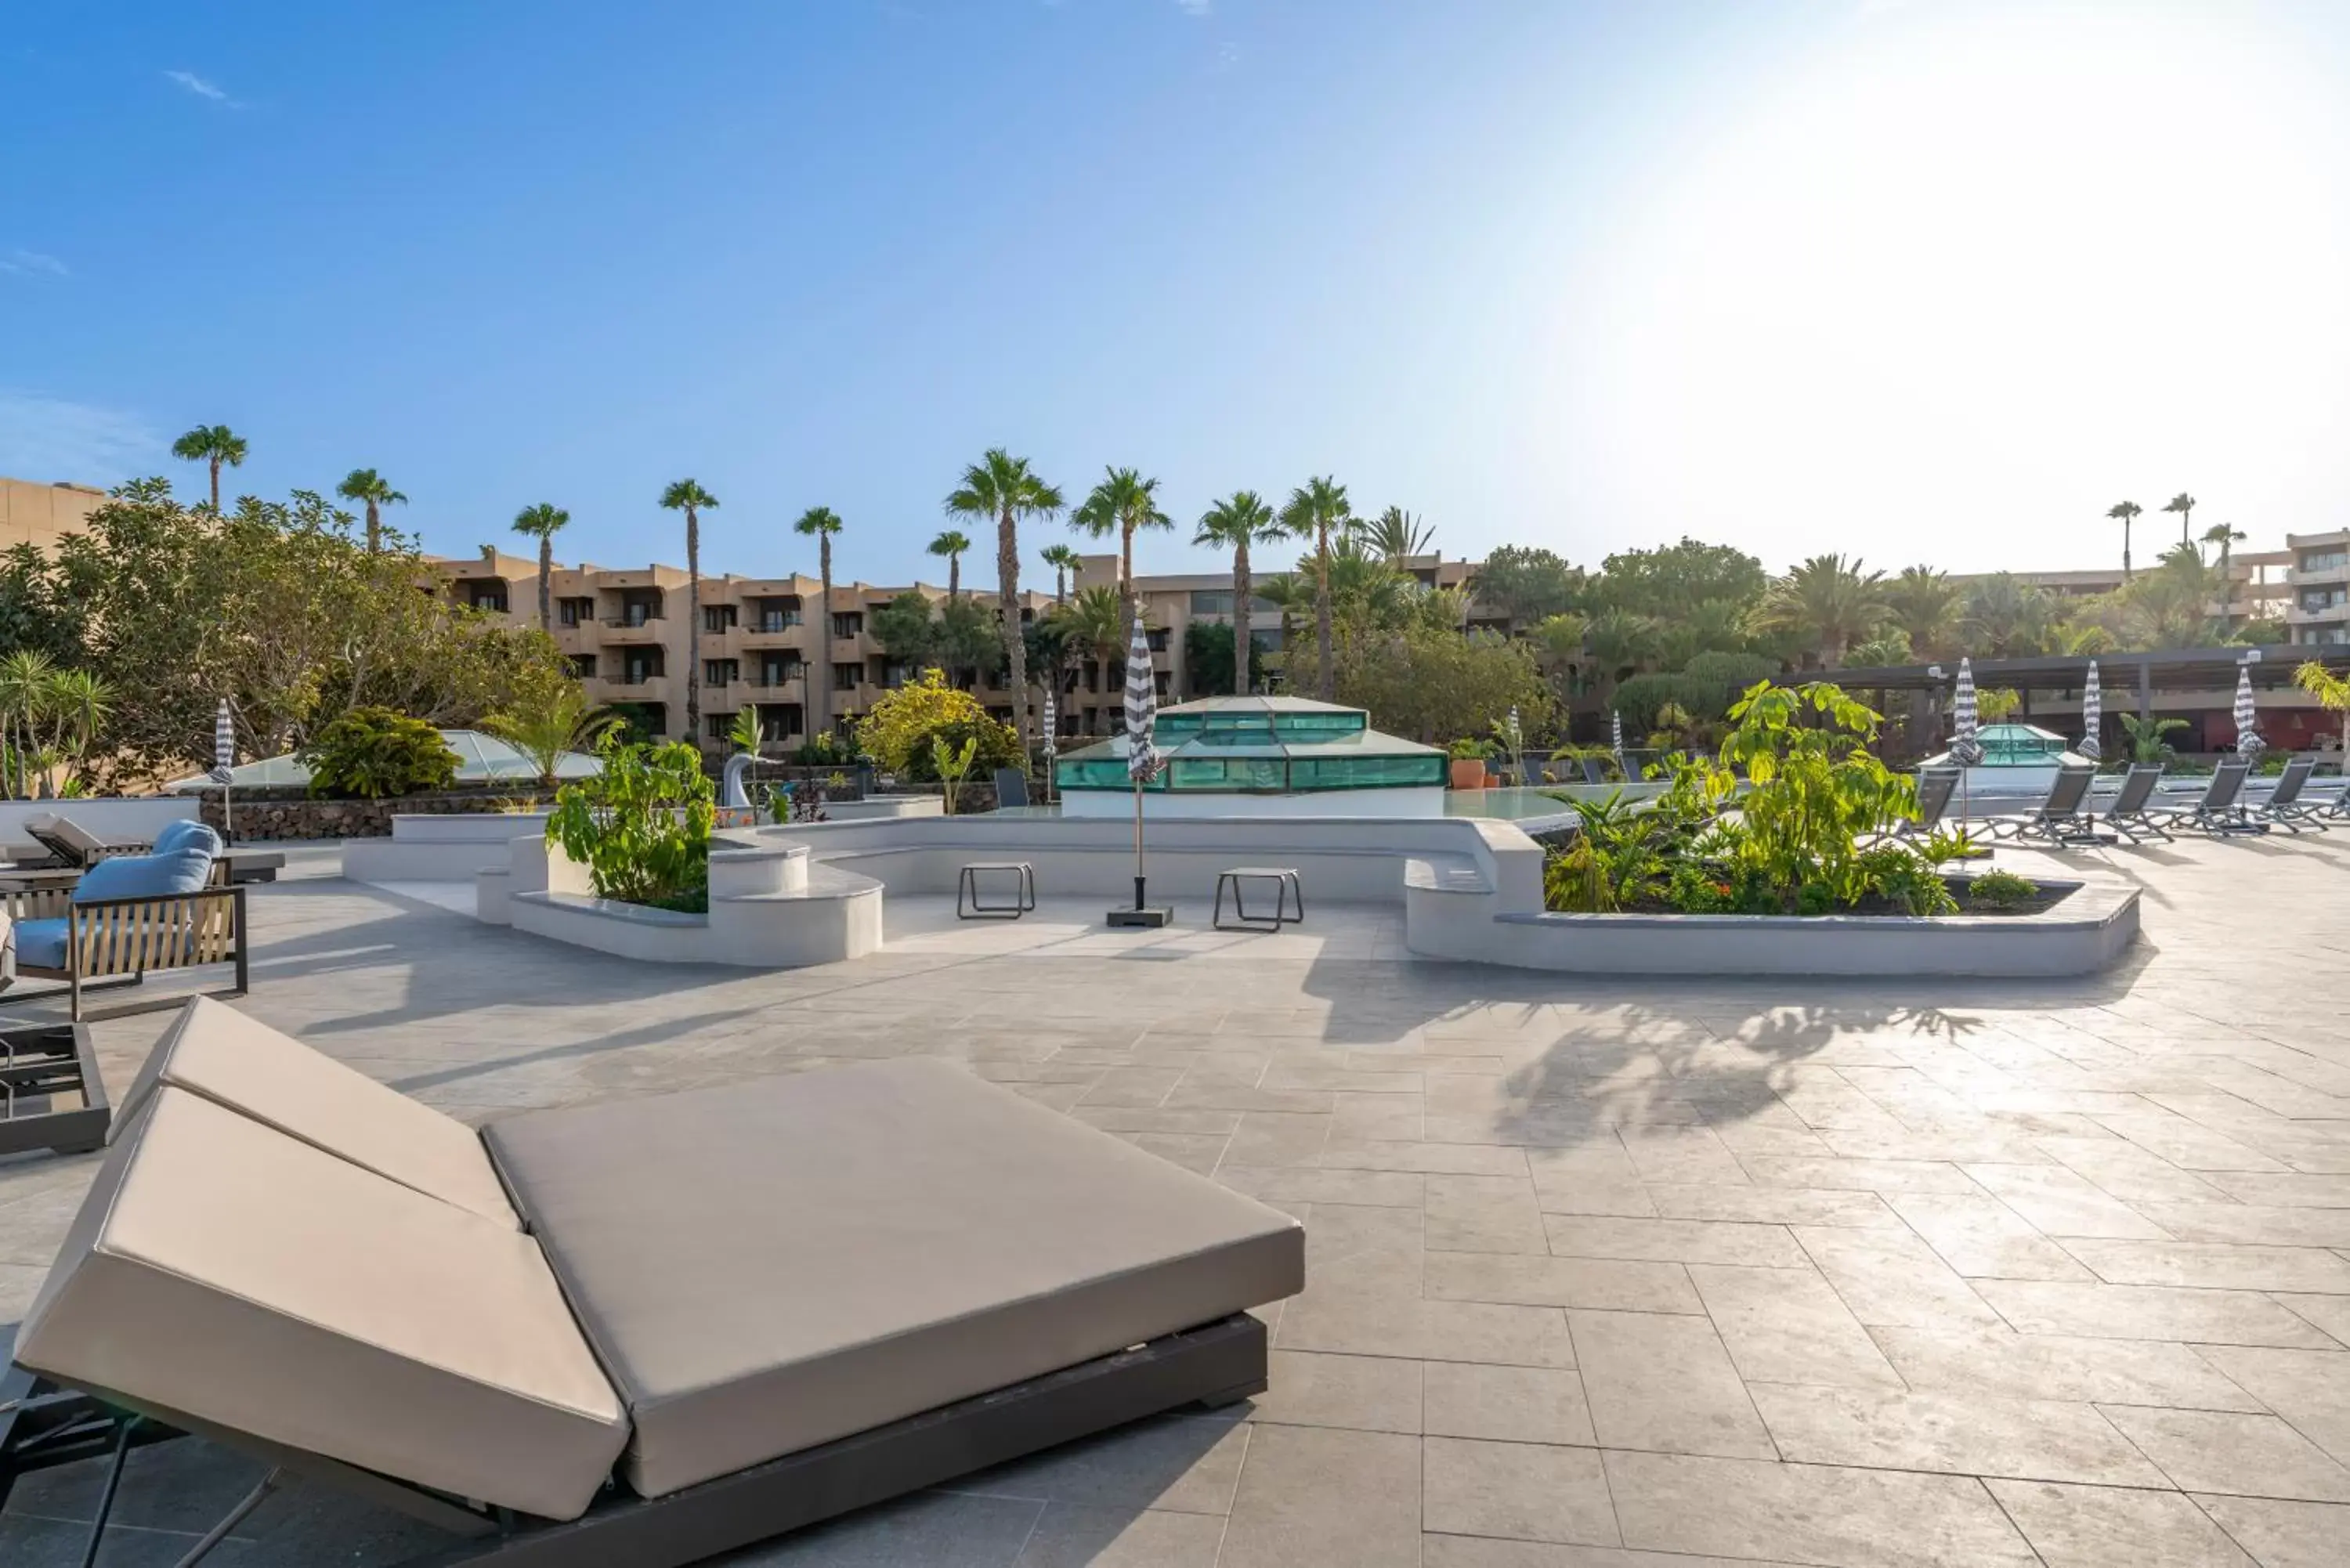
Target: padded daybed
x=682 y=1322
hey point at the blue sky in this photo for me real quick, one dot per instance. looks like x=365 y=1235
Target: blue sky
x=1918 y=279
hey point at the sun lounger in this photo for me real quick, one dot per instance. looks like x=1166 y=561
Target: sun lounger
x=1011 y=788
x=2060 y=820
x=75 y=847
x=637 y=1333
x=2129 y=814
x=2220 y=810
x=2284 y=808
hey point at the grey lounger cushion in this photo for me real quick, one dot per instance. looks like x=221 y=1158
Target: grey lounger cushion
x=222 y=1271
x=765 y=1267
x=215 y=1051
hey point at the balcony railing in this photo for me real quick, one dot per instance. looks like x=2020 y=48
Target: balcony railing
x=625 y=622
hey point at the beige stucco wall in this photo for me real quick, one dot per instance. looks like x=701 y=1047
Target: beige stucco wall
x=37 y=513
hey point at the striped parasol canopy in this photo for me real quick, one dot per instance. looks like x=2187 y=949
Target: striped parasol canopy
x=1051 y=720
x=2248 y=716
x=224 y=743
x=1616 y=728
x=1142 y=709
x=2093 y=715
x=1965 y=750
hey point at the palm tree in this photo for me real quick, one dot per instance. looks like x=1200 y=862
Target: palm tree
x=1064 y=559
x=952 y=545
x=1830 y=602
x=820 y=523
x=2225 y=536
x=79 y=702
x=1002 y=487
x=1925 y=605
x=1123 y=501
x=1233 y=525
x=2007 y=618
x=2124 y=510
x=1094 y=623
x=365 y=484
x=688 y=496
x=542 y=523
x=2331 y=690
x=569 y=722
x=1396 y=533
x=26 y=690
x=1316 y=507
x=212 y=445
x=2184 y=504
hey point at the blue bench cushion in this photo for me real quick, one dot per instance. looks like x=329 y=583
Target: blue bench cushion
x=183 y=870
x=42 y=944
x=187 y=833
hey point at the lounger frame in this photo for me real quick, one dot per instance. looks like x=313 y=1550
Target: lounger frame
x=1216 y=1365
x=44 y=1061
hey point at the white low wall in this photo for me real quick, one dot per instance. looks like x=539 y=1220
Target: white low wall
x=769 y=908
x=117 y=819
x=885 y=808
x=440 y=848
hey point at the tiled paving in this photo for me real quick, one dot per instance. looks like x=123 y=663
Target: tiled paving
x=1645 y=1274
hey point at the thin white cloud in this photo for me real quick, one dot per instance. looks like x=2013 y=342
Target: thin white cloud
x=1196 y=7
x=202 y=88
x=45 y=439
x=24 y=263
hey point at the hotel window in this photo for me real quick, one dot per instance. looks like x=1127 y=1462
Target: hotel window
x=717 y=618
x=848 y=677
x=719 y=672
x=847 y=623
x=583 y=665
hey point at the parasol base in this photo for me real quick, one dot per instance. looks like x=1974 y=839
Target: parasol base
x=1150 y=918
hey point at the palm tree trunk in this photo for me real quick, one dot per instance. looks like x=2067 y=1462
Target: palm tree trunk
x=216 y=485
x=2126 y=557
x=693 y=630
x=1060 y=587
x=374 y=529
x=955 y=578
x=1330 y=682
x=546 y=584
x=1007 y=620
x=818 y=678
x=1125 y=577
x=1241 y=618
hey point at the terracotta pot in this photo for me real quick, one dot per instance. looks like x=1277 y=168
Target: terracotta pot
x=1467 y=773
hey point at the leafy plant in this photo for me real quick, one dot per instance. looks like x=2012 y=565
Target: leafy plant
x=642 y=826
x=2003 y=891
x=2146 y=737
x=1994 y=705
x=1468 y=748
x=564 y=722
x=899 y=731
x=743 y=733
x=372 y=753
x=2331 y=692
x=952 y=764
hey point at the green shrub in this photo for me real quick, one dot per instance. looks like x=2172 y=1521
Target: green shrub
x=641 y=828
x=2001 y=890
x=371 y=752
x=1469 y=749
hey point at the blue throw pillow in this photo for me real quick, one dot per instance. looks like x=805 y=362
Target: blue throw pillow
x=144 y=876
x=186 y=833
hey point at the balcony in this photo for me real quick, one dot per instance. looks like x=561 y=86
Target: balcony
x=2319 y=576
x=632 y=628
x=2326 y=615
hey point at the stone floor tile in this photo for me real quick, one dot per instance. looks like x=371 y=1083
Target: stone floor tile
x=2100 y=1311
x=2050 y=1366
x=1314 y=1498
x=2330 y=1314
x=2188 y=1145
x=2230 y=1452
x=2265 y=1224
x=1419 y=1329
x=2284 y=1534
x=2109 y=1527
x=1367 y=1393
x=1839 y=1518
x=1958 y=1434
x=1277 y=1137
x=2058 y=1201
x=1505 y=1404
x=1484 y=1551
x=1657 y=1381
x=1598 y=1178
x=2219 y=1265
x=1980 y=1236
x=1892 y=1277
x=1141 y=1086
x=1523 y=1491
x=1311 y=1184
x=1605 y=1284
x=1673 y=1240
x=1386 y=1117
x=1483 y=1214
x=2289 y=1190
x=950 y=1530
x=1184 y=1464
x=1071 y=1537
x=1771 y=1205
x=1789 y=1325
x=2133 y=1174
x=2309 y=1388
x=1342 y=1153
x=1694 y=1155
x=1856 y=1175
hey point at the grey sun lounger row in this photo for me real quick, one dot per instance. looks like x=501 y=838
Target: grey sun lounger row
x=637 y=1333
x=75 y=847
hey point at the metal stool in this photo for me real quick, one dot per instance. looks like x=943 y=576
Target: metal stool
x=1285 y=883
x=967 y=906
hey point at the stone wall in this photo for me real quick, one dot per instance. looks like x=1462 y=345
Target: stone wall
x=279 y=813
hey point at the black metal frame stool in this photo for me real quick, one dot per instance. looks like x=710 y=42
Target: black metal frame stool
x=1285 y=883
x=967 y=906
